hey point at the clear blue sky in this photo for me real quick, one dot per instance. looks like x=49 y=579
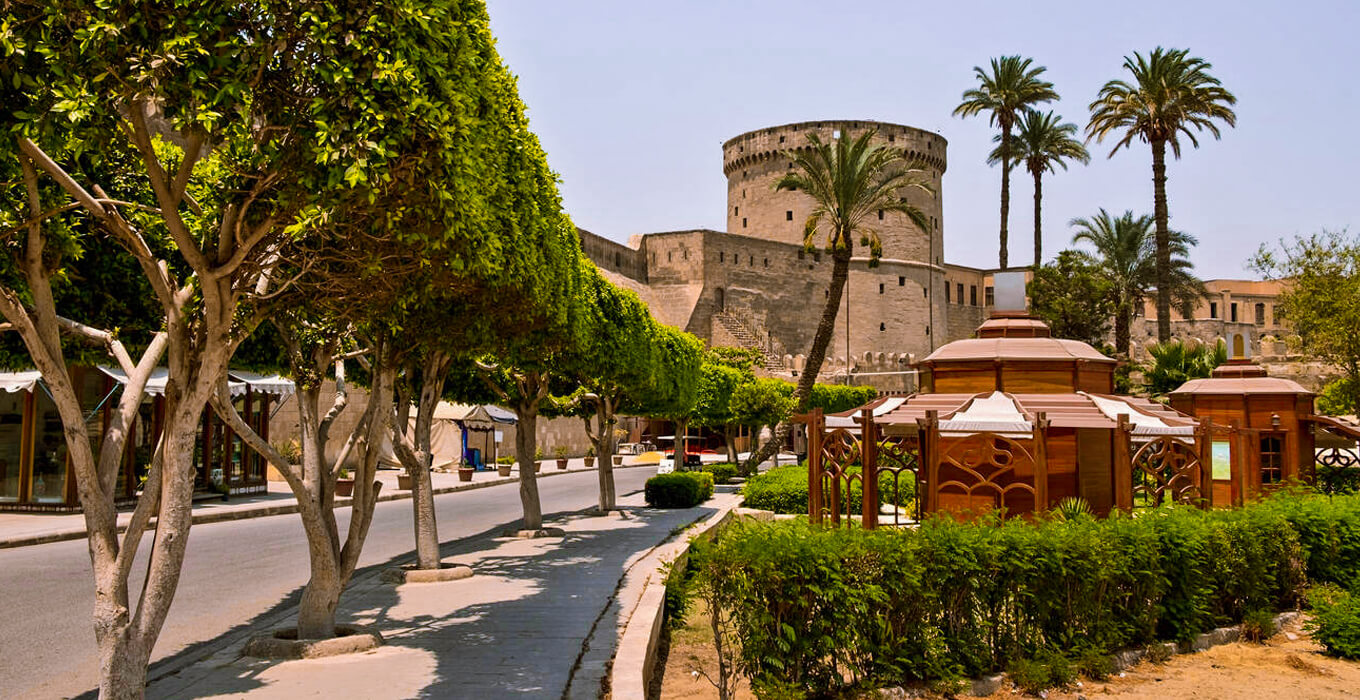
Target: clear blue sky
x=633 y=99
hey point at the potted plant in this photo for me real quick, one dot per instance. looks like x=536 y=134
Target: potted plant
x=561 y=452
x=538 y=459
x=503 y=465
x=590 y=457
x=344 y=486
x=404 y=480
x=465 y=470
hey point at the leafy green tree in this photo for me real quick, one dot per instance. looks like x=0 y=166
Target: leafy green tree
x=1175 y=363
x=1042 y=143
x=1321 y=299
x=1171 y=94
x=615 y=367
x=1126 y=252
x=850 y=182
x=1009 y=89
x=1341 y=397
x=1074 y=297
x=206 y=140
x=713 y=399
x=765 y=402
x=834 y=398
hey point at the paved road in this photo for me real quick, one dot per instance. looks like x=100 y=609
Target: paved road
x=234 y=572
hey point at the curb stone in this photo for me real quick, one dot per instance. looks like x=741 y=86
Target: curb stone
x=634 y=663
x=287 y=508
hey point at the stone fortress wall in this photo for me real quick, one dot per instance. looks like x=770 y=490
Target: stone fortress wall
x=755 y=286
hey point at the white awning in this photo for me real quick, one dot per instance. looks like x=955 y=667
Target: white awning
x=264 y=383
x=996 y=413
x=20 y=381
x=155 y=386
x=1143 y=424
x=884 y=407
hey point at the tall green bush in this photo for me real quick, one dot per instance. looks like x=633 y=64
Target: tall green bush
x=837 y=610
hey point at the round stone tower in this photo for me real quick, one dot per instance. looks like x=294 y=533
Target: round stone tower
x=755 y=160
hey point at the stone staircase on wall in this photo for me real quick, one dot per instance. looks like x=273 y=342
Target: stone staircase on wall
x=747 y=337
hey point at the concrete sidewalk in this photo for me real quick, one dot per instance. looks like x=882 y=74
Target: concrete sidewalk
x=539 y=619
x=24 y=529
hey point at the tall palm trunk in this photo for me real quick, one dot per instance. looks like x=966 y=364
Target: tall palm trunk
x=1005 y=191
x=1122 y=319
x=1163 y=241
x=840 y=272
x=1038 y=222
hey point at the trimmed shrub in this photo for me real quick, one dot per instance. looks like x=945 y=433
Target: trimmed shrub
x=722 y=472
x=678 y=489
x=1336 y=621
x=785 y=490
x=839 y=610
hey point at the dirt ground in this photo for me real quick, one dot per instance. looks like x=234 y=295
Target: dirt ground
x=1289 y=666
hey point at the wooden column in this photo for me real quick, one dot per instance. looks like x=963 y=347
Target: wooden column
x=1123 y=465
x=930 y=450
x=869 y=472
x=814 y=436
x=1206 y=462
x=1238 y=461
x=1040 y=462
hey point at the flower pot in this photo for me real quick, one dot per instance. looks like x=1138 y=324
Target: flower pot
x=561 y=464
x=344 y=487
x=465 y=473
x=590 y=462
x=404 y=482
x=618 y=460
x=503 y=470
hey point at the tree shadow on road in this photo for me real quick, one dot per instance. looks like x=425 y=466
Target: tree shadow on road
x=537 y=617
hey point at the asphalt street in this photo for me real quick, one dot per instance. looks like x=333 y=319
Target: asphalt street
x=234 y=572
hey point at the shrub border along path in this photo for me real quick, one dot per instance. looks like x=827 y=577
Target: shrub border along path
x=1324 y=532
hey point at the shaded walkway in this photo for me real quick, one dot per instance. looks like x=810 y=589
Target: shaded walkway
x=516 y=629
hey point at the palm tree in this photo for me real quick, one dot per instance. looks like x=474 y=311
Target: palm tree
x=850 y=181
x=1126 y=251
x=1011 y=87
x=1175 y=363
x=1171 y=94
x=1042 y=142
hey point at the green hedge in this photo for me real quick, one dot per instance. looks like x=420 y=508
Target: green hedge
x=785 y=490
x=835 y=610
x=722 y=472
x=678 y=489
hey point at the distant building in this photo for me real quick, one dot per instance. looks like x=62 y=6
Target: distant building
x=1244 y=314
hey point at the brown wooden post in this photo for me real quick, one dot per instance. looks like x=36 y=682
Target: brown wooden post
x=1040 y=462
x=1206 y=462
x=1123 y=465
x=930 y=450
x=1236 y=462
x=869 y=472
x=813 y=421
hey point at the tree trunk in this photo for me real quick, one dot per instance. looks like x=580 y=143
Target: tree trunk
x=422 y=484
x=1038 y=221
x=840 y=272
x=730 y=437
x=123 y=663
x=526 y=446
x=320 y=598
x=1121 y=329
x=1163 y=241
x=1005 y=192
x=681 y=439
x=604 y=450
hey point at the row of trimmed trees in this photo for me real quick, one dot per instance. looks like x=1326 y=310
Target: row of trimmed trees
x=1170 y=95
x=352 y=192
